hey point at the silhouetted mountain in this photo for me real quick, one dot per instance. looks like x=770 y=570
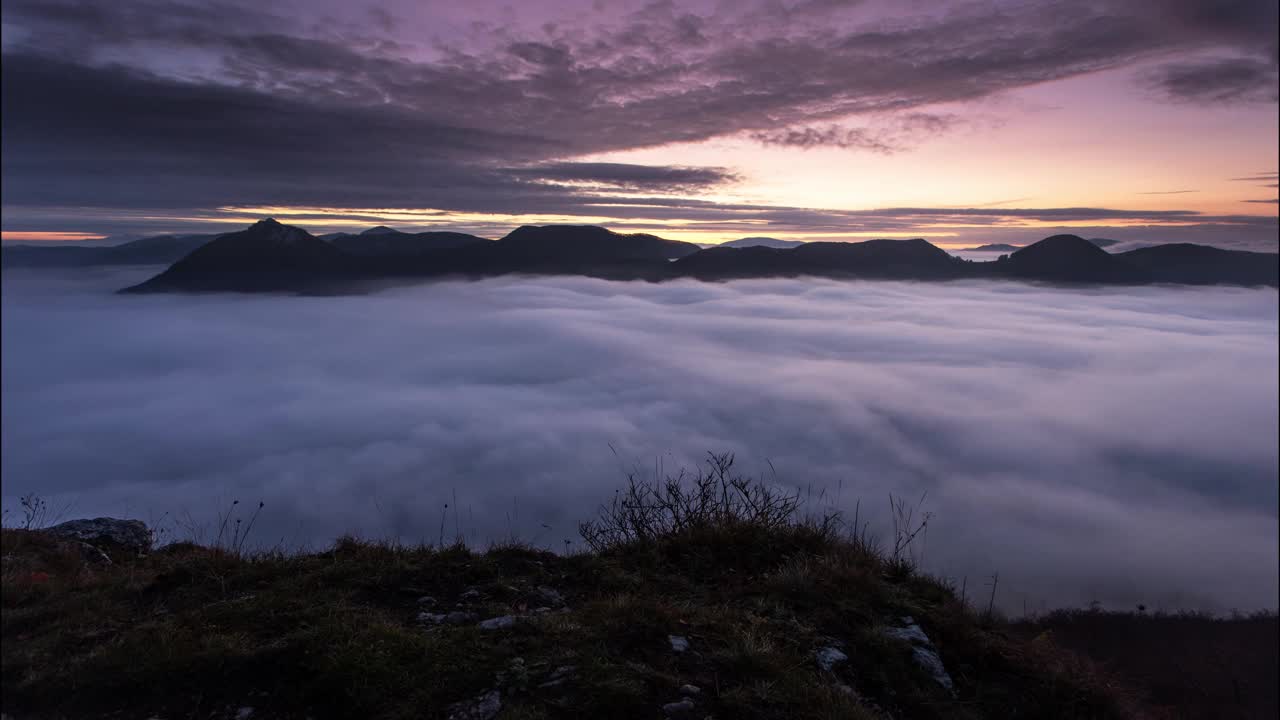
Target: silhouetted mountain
x=1103 y=242
x=556 y=250
x=995 y=247
x=761 y=242
x=162 y=248
x=1203 y=265
x=588 y=243
x=917 y=259
x=385 y=242
x=273 y=257
x=267 y=256
x=158 y=250
x=1070 y=258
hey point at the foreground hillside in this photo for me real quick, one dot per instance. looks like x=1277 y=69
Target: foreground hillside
x=716 y=603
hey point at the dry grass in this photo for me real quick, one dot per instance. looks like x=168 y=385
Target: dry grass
x=190 y=631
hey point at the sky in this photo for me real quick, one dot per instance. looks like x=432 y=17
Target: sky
x=964 y=122
x=1109 y=444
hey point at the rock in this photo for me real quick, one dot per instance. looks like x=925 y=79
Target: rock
x=550 y=596
x=426 y=601
x=559 y=676
x=515 y=674
x=481 y=707
x=690 y=690
x=922 y=650
x=131 y=536
x=928 y=659
x=829 y=657
x=93 y=554
x=244 y=713
x=469 y=595
x=498 y=623
x=679 y=643
x=911 y=632
x=844 y=689
x=678 y=708
x=456 y=617
x=562 y=672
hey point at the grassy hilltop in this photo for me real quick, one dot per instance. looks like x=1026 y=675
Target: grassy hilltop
x=705 y=599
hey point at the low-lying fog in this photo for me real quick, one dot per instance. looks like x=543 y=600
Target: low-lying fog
x=1116 y=445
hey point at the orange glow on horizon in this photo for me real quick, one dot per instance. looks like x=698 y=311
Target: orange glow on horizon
x=25 y=236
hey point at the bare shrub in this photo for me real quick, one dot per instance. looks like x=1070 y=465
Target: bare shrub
x=233 y=531
x=713 y=497
x=37 y=513
x=907 y=526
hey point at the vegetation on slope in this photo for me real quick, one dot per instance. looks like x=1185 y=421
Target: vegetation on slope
x=382 y=631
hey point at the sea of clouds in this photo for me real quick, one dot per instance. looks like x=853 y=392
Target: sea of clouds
x=1116 y=445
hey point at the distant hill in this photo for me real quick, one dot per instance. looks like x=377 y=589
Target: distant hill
x=1203 y=265
x=268 y=256
x=158 y=250
x=1007 y=248
x=272 y=257
x=589 y=242
x=872 y=258
x=761 y=242
x=1070 y=258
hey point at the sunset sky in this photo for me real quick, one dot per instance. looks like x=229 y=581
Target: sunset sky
x=964 y=122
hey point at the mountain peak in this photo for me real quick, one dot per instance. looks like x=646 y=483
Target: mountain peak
x=1070 y=257
x=1059 y=248
x=590 y=242
x=266 y=222
x=379 y=230
x=762 y=242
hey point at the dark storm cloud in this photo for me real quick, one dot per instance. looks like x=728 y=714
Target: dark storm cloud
x=1098 y=444
x=1226 y=80
x=137 y=138
x=899 y=133
x=623 y=175
x=122 y=104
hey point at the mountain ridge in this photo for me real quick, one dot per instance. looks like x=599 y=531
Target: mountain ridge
x=272 y=257
x=153 y=250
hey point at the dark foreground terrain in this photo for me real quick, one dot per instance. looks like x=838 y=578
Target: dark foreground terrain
x=715 y=603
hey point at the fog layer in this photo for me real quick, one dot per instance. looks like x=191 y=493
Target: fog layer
x=1115 y=445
